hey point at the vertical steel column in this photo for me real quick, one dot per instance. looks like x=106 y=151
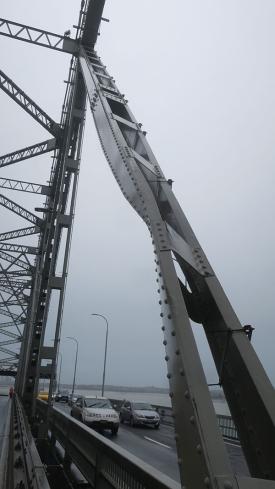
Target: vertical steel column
x=64 y=179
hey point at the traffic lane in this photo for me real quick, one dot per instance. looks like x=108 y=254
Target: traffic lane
x=152 y=446
x=166 y=436
x=4 y=400
x=160 y=455
x=158 y=447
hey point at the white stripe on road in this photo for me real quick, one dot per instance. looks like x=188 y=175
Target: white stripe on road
x=157 y=442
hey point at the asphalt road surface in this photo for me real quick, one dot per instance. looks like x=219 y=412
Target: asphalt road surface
x=158 y=448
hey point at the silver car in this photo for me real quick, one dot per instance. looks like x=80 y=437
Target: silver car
x=139 y=413
x=96 y=412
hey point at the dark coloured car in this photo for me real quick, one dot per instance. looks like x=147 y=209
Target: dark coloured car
x=62 y=396
x=139 y=413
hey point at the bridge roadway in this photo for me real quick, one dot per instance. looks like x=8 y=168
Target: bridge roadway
x=158 y=447
x=155 y=447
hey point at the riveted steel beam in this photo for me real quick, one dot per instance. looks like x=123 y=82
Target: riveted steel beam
x=28 y=152
x=13 y=302
x=14 y=338
x=14 y=293
x=147 y=190
x=10 y=324
x=28 y=104
x=11 y=283
x=19 y=233
x=8 y=352
x=16 y=248
x=22 y=186
x=92 y=22
x=15 y=261
x=10 y=314
x=39 y=37
x=17 y=273
x=19 y=210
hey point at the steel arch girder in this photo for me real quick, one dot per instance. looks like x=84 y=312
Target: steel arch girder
x=144 y=186
x=184 y=367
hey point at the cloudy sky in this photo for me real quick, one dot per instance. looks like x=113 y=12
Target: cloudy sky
x=200 y=76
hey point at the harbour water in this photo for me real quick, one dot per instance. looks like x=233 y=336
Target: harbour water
x=159 y=399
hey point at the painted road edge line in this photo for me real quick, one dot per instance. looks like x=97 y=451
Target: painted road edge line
x=157 y=442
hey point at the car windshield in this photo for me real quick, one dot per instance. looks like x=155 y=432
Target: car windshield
x=142 y=406
x=98 y=403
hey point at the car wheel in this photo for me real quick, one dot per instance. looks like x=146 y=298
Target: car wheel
x=114 y=431
x=121 y=418
x=132 y=423
x=156 y=426
x=82 y=419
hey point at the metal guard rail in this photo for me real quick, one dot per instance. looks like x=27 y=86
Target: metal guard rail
x=101 y=462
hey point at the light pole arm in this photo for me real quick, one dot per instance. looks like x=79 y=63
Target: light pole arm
x=105 y=352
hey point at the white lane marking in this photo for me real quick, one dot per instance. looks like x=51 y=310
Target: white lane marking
x=157 y=442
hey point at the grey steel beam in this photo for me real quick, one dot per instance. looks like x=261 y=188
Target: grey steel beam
x=12 y=302
x=19 y=233
x=19 y=210
x=249 y=392
x=10 y=324
x=39 y=37
x=22 y=186
x=14 y=260
x=17 y=273
x=28 y=152
x=16 y=248
x=10 y=314
x=16 y=339
x=20 y=284
x=7 y=372
x=8 y=352
x=64 y=178
x=92 y=22
x=22 y=99
x=5 y=288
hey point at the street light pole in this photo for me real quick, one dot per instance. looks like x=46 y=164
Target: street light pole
x=105 y=353
x=59 y=376
x=75 y=363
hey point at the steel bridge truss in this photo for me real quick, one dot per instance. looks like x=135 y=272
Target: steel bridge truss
x=28 y=271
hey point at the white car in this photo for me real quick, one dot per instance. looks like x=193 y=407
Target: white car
x=96 y=412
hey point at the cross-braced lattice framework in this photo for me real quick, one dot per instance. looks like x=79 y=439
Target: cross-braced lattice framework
x=250 y=395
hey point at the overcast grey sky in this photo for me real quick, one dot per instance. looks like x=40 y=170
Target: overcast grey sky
x=200 y=76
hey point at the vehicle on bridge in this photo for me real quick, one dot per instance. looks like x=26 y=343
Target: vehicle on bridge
x=43 y=395
x=96 y=412
x=139 y=413
x=62 y=396
x=72 y=399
